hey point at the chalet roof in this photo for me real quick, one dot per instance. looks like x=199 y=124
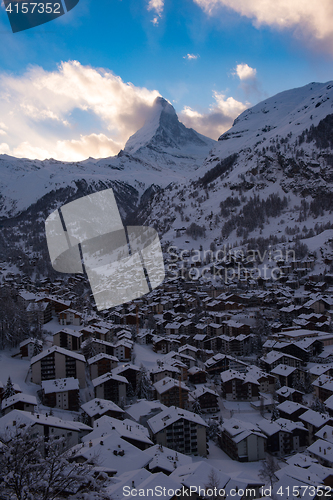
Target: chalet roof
x=108 y=376
x=127 y=429
x=60 y=350
x=60 y=385
x=27 y=418
x=172 y=415
x=100 y=406
x=100 y=356
x=19 y=398
x=168 y=383
x=315 y=418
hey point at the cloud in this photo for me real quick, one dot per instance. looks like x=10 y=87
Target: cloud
x=245 y=72
x=157 y=6
x=309 y=20
x=219 y=117
x=71 y=113
x=190 y=57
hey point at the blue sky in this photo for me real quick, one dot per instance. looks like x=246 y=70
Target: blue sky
x=80 y=85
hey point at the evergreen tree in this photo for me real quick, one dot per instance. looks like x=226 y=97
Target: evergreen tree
x=88 y=348
x=9 y=389
x=144 y=388
x=196 y=407
x=37 y=348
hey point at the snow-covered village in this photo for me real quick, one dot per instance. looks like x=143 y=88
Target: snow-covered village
x=218 y=382
x=166 y=250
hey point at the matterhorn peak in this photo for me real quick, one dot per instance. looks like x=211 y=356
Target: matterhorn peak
x=163 y=132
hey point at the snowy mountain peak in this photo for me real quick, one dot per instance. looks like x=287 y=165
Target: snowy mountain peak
x=163 y=132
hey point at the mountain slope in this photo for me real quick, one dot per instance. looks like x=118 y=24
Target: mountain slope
x=162 y=151
x=268 y=180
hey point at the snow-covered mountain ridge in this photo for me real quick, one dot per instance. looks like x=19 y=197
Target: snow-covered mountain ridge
x=269 y=175
x=162 y=151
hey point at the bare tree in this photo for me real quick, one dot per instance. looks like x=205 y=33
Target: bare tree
x=213 y=484
x=270 y=466
x=36 y=469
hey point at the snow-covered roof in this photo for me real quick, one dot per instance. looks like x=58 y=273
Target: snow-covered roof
x=19 y=398
x=325 y=433
x=315 y=418
x=31 y=341
x=172 y=415
x=322 y=449
x=167 y=383
x=60 y=385
x=24 y=417
x=129 y=479
x=100 y=406
x=127 y=429
x=108 y=376
x=198 y=475
x=283 y=370
x=166 y=459
x=60 y=350
x=73 y=333
x=143 y=408
x=101 y=355
x=112 y=451
x=290 y=407
x=200 y=391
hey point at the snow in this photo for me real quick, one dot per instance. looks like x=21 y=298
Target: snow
x=60 y=385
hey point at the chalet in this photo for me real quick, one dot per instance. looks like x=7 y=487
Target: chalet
x=123 y=349
x=164 y=459
x=128 y=430
x=30 y=347
x=242 y=441
x=314 y=421
x=233 y=328
x=285 y=374
x=68 y=339
x=164 y=370
x=208 y=399
x=143 y=410
x=197 y=474
x=111 y=387
x=290 y=410
x=179 y=430
x=70 y=317
x=44 y=426
x=197 y=375
x=55 y=363
x=171 y=392
x=284 y=436
x=217 y=364
x=100 y=364
x=130 y=372
x=322 y=450
x=238 y=386
x=289 y=394
x=99 y=346
x=39 y=313
x=111 y=453
x=61 y=393
x=275 y=358
x=20 y=401
x=97 y=408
